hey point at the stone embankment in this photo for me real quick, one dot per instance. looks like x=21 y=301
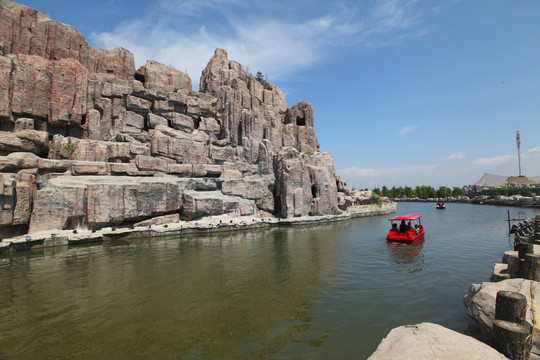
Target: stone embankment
x=516 y=200
x=171 y=225
x=88 y=142
x=517 y=277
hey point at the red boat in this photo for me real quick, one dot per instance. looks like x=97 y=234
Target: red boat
x=404 y=233
x=441 y=206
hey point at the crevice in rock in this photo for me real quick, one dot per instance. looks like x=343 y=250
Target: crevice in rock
x=196 y=122
x=140 y=77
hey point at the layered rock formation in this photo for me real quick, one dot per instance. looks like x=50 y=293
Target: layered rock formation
x=87 y=140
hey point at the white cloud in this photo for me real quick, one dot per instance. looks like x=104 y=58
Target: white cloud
x=406 y=130
x=184 y=34
x=435 y=175
x=498 y=160
x=459 y=155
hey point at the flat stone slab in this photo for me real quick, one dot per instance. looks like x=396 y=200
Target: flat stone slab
x=431 y=341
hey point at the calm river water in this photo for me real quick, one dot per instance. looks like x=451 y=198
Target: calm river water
x=329 y=291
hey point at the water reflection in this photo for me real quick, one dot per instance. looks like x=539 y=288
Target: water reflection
x=407 y=257
x=243 y=295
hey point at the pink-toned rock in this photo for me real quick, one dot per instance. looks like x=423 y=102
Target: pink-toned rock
x=89 y=168
x=54 y=166
x=255 y=188
x=25 y=190
x=138 y=104
x=293 y=184
x=22 y=124
x=68 y=93
x=202 y=105
x=300 y=120
x=59 y=208
x=18 y=160
x=30 y=85
x=26 y=31
x=177 y=145
x=131 y=199
x=7 y=198
x=39 y=138
x=207 y=203
x=221 y=154
x=185 y=170
x=180 y=122
x=159 y=220
x=5 y=76
x=130 y=122
x=149 y=163
x=236 y=135
x=158 y=75
x=117 y=61
x=155 y=120
x=89 y=150
x=23 y=141
x=323 y=182
x=122 y=168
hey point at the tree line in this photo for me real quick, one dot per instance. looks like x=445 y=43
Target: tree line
x=422 y=192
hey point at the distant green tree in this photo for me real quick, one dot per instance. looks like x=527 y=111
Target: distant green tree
x=377 y=191
x=259 y=75
x=457 y=191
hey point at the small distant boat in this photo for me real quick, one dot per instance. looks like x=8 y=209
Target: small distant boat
x=404 y=233
x=441 y=205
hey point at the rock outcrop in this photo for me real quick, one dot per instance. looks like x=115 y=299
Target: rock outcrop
x=480 y=303
x=87 y=141
x=431 y=341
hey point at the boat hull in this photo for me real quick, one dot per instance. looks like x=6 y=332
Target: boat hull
x=405 y=238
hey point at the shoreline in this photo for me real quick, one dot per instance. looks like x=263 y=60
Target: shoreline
x=517 y=201
x=210 y=224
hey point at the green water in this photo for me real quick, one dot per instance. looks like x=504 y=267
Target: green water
x=318 y=292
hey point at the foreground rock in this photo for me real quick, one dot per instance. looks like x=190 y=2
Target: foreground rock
x=431 y=341
x=480 y=304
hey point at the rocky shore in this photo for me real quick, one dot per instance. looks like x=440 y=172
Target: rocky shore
x=88 y=141
x=165 y=226
x=516 y=200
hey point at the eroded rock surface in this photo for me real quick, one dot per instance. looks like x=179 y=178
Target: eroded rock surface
x=88 y=141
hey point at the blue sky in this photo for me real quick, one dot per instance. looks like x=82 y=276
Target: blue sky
x=405 y=92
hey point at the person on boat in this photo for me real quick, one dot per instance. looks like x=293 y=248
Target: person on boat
x=394 y=227
x=403 y=227
x=416 y=229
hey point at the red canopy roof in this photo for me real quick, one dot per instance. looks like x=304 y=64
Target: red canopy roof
x=407 y=217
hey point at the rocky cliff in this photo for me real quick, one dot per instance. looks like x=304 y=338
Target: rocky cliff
x=87 y=140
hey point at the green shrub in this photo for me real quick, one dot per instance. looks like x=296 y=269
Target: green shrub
x=69 y=149
x=377 y=199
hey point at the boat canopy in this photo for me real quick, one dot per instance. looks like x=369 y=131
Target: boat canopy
x=406 y=217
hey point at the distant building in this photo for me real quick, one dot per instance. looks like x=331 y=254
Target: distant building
x=499 y=181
